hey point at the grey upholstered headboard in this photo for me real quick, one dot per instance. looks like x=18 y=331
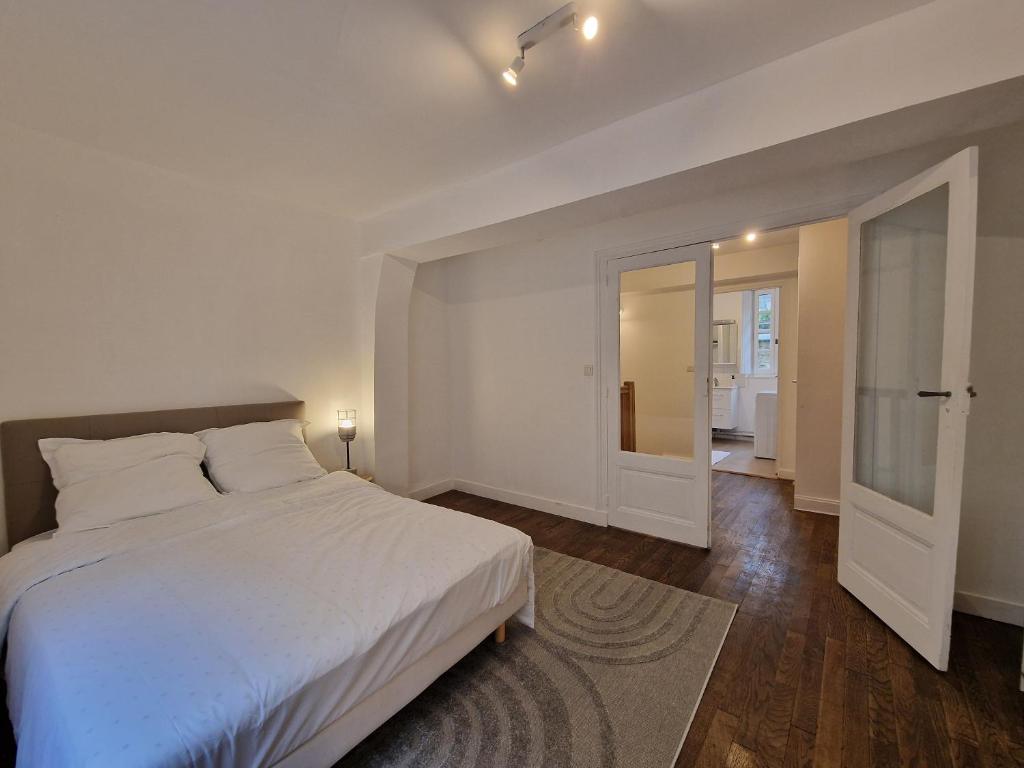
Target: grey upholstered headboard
x=28 y=489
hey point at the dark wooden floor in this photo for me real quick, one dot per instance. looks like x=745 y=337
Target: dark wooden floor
x=807 y=675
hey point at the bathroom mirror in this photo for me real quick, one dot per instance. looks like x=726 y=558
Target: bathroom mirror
x=724 y=342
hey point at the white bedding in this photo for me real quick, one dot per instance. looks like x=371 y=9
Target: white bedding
x=230 y=632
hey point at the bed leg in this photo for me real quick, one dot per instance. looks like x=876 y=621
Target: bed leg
x=499 y=634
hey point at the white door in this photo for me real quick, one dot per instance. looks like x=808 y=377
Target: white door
x=656 y=315
x=906 y=399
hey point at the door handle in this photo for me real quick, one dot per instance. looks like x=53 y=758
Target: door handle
x=929 y=393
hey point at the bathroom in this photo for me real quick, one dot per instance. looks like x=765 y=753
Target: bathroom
x=753 y=350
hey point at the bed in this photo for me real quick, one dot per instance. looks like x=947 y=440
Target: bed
x=275 y=628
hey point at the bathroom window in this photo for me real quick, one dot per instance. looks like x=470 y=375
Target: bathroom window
x=765 y=342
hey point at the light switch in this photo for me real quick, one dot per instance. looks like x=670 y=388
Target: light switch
x=588 y=370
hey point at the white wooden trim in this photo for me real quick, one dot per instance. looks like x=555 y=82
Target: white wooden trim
x=816 y=504
x=993 y=608
x=539 y=503
x=434 y=489
x=602 y=496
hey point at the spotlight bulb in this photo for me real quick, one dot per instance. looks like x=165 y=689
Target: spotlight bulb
x=511 y=73
x=590 y=27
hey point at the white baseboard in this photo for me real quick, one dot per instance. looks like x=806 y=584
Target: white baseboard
x=561 y=508
x=815 y=504
x=786 y=474
x=427 y=491
x=989 y=608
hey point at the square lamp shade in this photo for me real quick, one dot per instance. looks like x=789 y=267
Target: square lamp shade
x=347 y=425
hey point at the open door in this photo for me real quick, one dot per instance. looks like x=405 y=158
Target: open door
x=656 y=332
x=906 y=399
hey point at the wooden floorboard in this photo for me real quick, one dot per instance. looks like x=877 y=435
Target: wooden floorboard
x=807 y=675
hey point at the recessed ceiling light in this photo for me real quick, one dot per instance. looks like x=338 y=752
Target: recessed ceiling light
x=751 y=237
x=590 y=27
x=715 y=246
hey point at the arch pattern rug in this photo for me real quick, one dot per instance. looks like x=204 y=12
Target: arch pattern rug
x=610 y=678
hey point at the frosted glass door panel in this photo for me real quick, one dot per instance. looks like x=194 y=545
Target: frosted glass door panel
x=656 y=357
x=899 y=349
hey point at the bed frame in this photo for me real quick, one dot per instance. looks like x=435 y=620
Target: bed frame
x=338 y=738
x=29 y=498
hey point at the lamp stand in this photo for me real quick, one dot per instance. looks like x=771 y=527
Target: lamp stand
x=348 y=460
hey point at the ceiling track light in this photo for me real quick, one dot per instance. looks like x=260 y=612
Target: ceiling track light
x=566 y=16
x=511 y=73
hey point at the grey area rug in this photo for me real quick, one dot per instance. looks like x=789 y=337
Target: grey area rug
x=611 y=677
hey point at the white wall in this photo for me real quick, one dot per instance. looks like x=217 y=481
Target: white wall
x=385 y=287
x=430 y=408
x=520 y=329
x=729 y=306
x=819 y=418
x=990 y=566
x=124 y=288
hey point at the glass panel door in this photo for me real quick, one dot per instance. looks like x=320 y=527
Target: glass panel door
x=906 y=399
x=899 y=349
x=656 y=337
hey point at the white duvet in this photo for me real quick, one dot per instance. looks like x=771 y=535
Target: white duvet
x=230 y=632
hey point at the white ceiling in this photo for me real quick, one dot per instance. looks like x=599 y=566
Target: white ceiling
x=355 y=107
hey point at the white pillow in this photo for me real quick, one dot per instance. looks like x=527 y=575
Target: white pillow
x=257 y=456
x=101 y=482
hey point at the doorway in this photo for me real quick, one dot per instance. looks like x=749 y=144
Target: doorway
x=753 y=348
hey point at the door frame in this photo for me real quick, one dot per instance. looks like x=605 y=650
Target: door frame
x=727 y=230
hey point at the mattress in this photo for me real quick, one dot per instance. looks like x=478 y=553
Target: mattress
x=233 y=631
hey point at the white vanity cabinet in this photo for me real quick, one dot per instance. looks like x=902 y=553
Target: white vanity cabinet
x=724 y=408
